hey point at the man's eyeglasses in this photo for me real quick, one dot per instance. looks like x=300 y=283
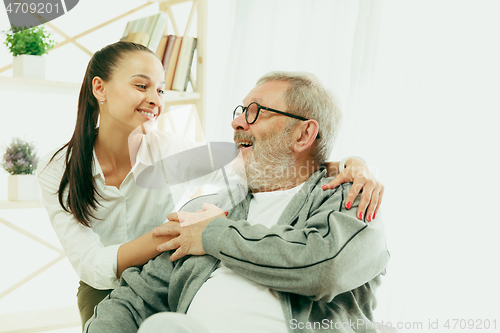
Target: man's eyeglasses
x=252 y=113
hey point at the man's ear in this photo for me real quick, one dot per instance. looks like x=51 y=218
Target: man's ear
x=307 y=132
x=98 y=88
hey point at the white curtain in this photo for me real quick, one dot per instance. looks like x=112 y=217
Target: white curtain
x=322 y=37
x=418 y=81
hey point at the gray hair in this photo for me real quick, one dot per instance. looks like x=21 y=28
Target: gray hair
x=306 y=97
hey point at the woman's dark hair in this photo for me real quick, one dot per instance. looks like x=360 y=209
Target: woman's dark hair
x=81 y=200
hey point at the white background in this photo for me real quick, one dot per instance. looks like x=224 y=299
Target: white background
x=419 y=82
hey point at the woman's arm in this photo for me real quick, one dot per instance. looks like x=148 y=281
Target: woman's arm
x=96 y=264
x=139 y=251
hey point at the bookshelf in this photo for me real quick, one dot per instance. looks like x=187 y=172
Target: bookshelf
x=197 y=97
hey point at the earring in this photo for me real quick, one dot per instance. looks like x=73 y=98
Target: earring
x=102 y=102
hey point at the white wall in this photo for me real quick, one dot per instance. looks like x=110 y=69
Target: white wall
x=430 y=123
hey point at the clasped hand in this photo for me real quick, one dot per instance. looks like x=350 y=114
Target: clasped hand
x=187 y=230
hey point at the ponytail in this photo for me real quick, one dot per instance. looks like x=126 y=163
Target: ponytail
x=78 y=176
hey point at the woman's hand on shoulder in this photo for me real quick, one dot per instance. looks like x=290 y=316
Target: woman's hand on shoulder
x=358 y=173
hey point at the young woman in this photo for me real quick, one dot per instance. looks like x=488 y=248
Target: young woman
x=102 y=218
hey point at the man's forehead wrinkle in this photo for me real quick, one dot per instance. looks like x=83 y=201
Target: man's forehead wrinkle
x=270 y=94
x=254 y=99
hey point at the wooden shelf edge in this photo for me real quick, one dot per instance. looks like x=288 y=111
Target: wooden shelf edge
x=171 y=97
x=180 y=97
x=21 y=84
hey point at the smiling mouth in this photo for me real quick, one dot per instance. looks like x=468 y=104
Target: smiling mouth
x=245 y=144
x=147 y=114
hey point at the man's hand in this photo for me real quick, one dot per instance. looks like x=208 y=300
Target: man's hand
x=359 y=174
x=187 y=231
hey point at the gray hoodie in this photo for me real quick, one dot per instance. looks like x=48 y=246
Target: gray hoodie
x=324 y=263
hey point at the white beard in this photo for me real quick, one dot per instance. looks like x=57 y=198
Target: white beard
x=271 y=164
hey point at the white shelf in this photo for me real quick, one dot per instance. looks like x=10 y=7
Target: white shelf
x=6 y=204
x=35 y=85
x=173 y=97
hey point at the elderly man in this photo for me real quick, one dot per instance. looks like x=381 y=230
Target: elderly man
x=288 y=258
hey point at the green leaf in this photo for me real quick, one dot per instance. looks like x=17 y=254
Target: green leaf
x=34 y=41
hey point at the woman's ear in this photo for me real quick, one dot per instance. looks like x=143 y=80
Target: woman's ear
x=307 y=133
x=98 y=88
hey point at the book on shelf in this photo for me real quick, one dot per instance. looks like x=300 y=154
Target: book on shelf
x=158 y=30
x=183 y=68
x=169 y=46
x=160 y=52
x=176 y=53
x=172 y=63
x=147 y=31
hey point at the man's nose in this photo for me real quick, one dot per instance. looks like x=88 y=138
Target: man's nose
x=239 y=123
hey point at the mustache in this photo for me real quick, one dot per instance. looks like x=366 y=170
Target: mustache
x=244 y=136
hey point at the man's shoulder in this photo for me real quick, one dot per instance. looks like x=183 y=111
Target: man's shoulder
x=339 y=190
x=316 y=182
x=314 y=197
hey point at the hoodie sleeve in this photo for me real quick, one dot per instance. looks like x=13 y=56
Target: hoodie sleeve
x=328 y=251
x=143 y=292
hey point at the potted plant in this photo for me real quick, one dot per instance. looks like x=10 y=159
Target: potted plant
x=27 y=45
x=20 y=161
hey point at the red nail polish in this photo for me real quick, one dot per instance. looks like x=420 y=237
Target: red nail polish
x=323 y=187
x=226 y=213
x=370 y=218
x=349 y=205
x=374 y=214
x=360 y=216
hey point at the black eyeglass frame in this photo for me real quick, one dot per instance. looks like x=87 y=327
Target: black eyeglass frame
x=245 y=108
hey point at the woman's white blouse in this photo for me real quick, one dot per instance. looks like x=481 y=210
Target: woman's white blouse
x=122 y=215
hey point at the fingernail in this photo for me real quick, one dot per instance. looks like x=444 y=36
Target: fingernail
x=226 y=213
x=370 y=218
x=348 y=206
x=154 y=231
x=159 y=248
x=324 y=187
x=360 y=216
x=374 y=214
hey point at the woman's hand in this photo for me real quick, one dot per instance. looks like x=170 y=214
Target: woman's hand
x=357 y=172
x=208 y=213
x=187 y=232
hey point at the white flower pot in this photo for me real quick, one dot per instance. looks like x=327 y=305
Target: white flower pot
x=23 y=188
x=29 y=66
